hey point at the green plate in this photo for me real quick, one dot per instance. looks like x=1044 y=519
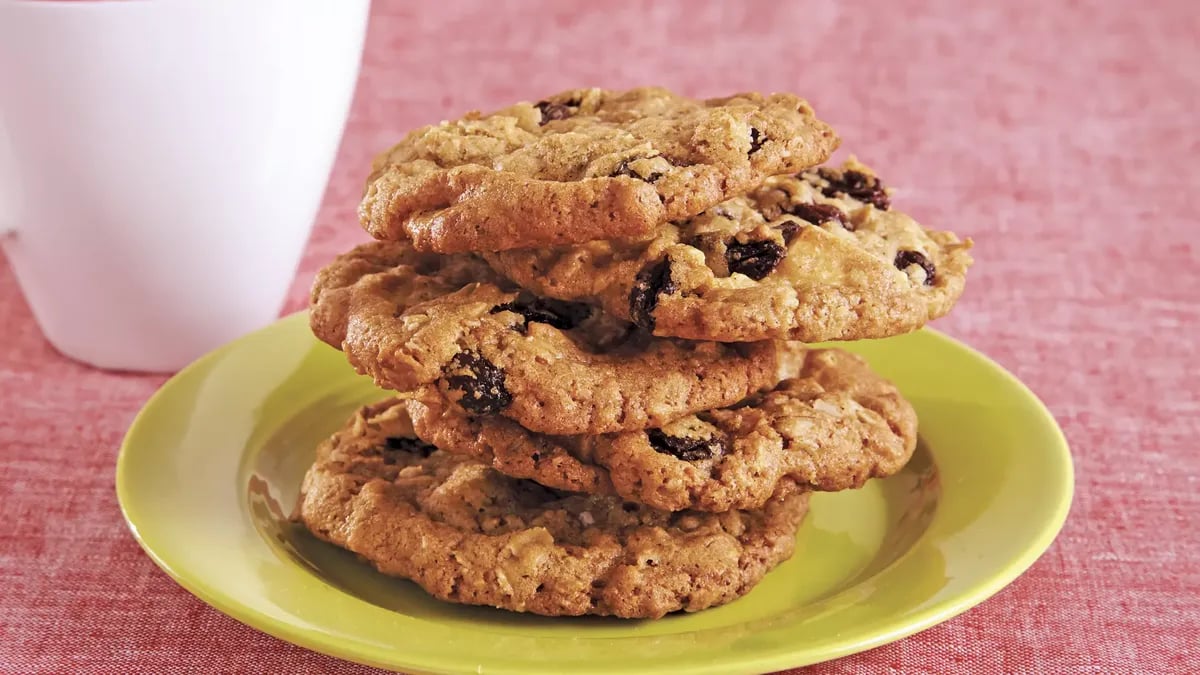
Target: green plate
x=210 y=470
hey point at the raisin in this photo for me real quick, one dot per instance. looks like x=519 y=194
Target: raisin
x=857 y=185
x=789 y=229
x=623 y=169
x=413 y=445
x=904 y=259
x=820 y=213
x=653 y=281
x=755 y=259
x=687 y=449
x=562 y=315
x=481 y=383
x=552 y=111
x=757 y=138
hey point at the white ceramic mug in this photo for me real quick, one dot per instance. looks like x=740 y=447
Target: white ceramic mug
x=162 y=162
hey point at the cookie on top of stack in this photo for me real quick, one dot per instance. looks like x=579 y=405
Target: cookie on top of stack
x=593 y=312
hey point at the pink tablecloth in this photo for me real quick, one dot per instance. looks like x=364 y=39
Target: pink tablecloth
x=1062 y=136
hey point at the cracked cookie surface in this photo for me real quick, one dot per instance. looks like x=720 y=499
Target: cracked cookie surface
x=448 y=325
x=813 y=257
x=468 y=534
x=584 y=164
x=831 y=426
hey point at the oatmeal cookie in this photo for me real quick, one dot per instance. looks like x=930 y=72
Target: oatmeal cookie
x=584 y=164
x=468 y=534
x=832 y=425
x=447 y=324
x=813 y=257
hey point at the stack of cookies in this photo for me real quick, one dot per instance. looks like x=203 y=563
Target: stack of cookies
x=593 y=312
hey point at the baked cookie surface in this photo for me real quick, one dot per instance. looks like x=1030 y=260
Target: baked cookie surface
x=814 y=257
x=449 y=325
x=831 y=426
x=584 y=164
x=468 y=534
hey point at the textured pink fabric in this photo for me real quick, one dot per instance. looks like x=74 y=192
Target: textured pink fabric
x=1062 y=136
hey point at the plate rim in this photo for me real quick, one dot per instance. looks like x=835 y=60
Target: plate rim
x=980 y=591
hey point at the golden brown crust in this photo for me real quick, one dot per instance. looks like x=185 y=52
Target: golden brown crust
x=756 y=268
x=486 y=210
x=468 y=534
x=449 y=325
x=584 y=164
x=832 y=426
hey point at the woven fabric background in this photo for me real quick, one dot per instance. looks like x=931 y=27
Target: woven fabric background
x=1062 y=136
